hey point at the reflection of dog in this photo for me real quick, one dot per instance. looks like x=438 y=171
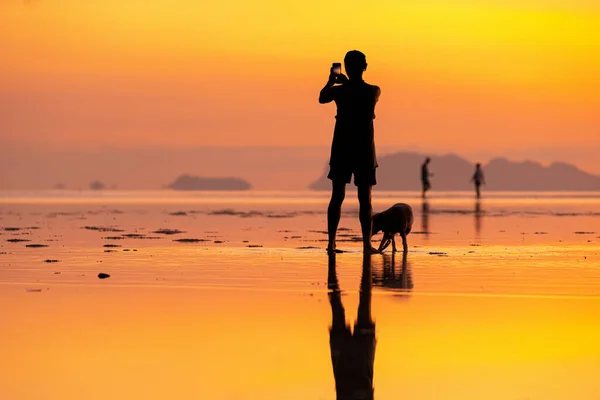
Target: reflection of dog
x=396 y=219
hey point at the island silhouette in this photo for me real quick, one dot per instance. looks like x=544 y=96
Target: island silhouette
x=401 y=171
x=190 y=182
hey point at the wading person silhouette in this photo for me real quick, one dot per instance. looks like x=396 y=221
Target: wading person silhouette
x=425 y=175
x=479 y=179
x=353 y=146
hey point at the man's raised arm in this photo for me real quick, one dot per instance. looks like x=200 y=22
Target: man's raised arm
x=326 y=95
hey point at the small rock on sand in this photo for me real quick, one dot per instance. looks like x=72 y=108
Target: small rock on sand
x=102 y=275
x=51 y=261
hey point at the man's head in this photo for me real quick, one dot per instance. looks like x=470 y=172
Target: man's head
x=478 y=165
x=427 y=160
x=355 y=64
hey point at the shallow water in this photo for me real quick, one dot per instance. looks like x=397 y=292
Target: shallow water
x=497 y=299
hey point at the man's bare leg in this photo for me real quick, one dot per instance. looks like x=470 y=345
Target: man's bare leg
x=366 y=216
x=334 y=211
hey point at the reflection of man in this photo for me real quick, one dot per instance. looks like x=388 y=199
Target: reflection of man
x=353 y=146
x=425 y=175
x=352 y=354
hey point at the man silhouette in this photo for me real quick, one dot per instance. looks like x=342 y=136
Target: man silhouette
x=479 y=179
x=353 y=146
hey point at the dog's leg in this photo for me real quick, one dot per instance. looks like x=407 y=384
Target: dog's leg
x=385 y=242
x=404 y=242
x=394 y=243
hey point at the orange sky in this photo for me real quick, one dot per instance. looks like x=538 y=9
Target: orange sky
x=477 y=75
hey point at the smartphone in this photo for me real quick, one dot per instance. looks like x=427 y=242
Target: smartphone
x=336 y=68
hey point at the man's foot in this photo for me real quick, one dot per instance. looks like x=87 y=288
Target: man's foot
x=370 y=250
x=332 y=250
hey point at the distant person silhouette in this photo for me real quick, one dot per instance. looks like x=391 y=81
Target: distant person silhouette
x=478 y=179
x=425 y=175
x=352 y=353
x=353 y=146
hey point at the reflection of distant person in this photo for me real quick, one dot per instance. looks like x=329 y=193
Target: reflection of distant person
x=425 y=218
x=352 y=353
x=425 y=175
x=478 y=214
x=478 y=179
x=353 y=146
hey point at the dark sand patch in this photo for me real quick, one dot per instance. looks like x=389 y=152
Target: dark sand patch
x=296 y=237
x=17 y=240
x=110 y=251
x=113 y=238
x=33 y=290
x=254 y=245
x=111 y=245
x=585 y=233
x=231 y=212
x=51 y=261
x=102 y=228
x=102 y=275
x=167 y=231
x=438 y=253
x=307 y=248
x=218 y=241
x=190 y=240
x=540 y=233
x=36 y=245
x=178 y=213
x=140 y=236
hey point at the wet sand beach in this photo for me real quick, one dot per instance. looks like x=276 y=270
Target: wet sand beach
x=226 y=296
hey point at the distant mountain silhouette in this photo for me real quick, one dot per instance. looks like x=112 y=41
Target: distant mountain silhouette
x=97 y=185
x=401 y=171
x=188 y=182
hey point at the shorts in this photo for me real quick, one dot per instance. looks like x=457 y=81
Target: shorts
x=361 y=178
